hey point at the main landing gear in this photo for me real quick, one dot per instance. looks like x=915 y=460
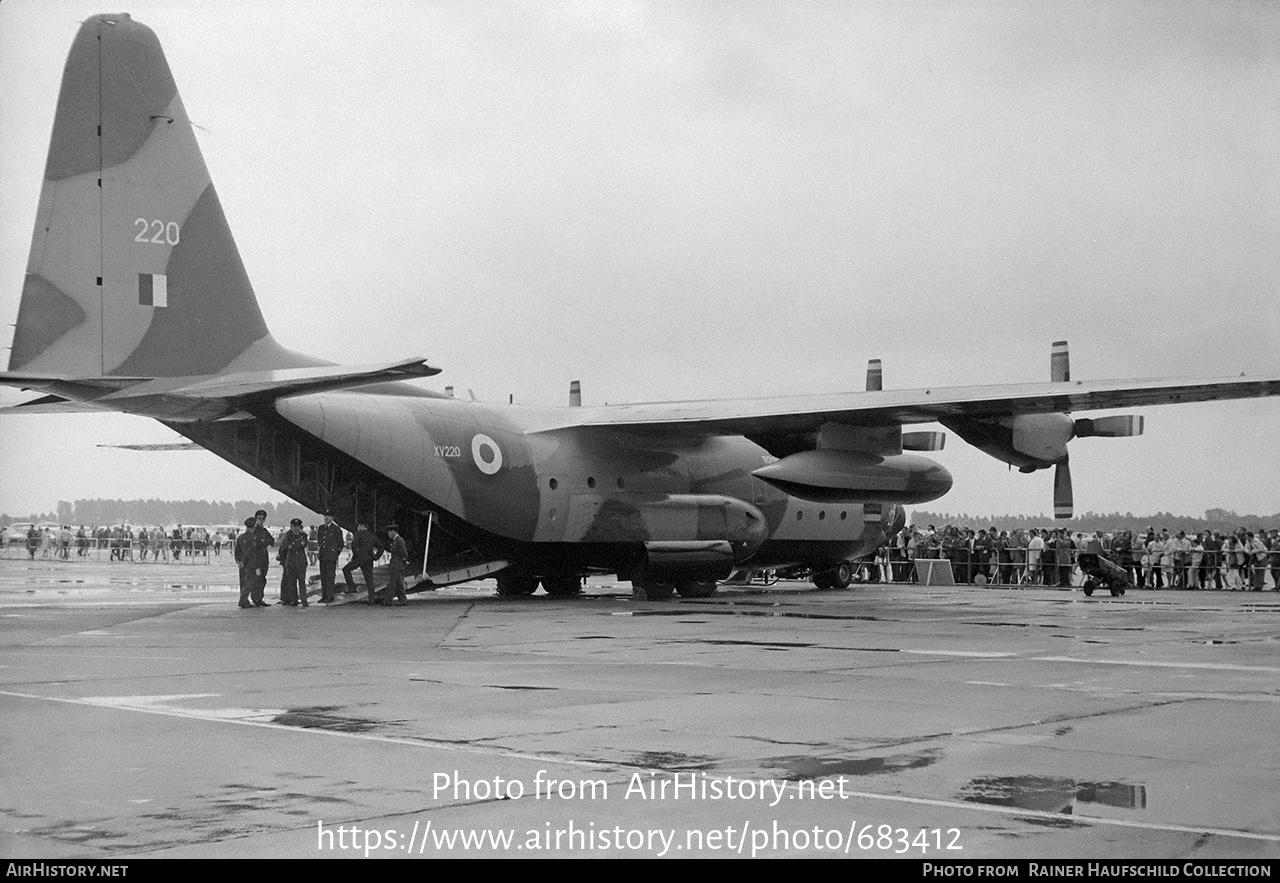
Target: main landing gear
x=652 y=590
x=514 y=582
x=839 y=577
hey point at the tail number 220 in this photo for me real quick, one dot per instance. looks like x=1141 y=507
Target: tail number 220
x=156 y=232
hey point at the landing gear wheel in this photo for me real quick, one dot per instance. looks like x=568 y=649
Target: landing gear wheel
x=692 y=588
x=513 y=583
x=648 y=590
x=842 y=576
x=1088 y=588
x=564 y=585
x=825 y=580
x=1117 y=591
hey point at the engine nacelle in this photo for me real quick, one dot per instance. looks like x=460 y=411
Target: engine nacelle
x=830 y=475
x=1028 y=441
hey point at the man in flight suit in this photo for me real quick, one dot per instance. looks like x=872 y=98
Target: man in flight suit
x=329 y=542
x=243 y=553
x=293 y=555
x=260 y=558
x=364 y=551
x=399 y=564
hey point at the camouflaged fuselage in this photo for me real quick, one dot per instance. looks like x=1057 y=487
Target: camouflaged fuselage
x=519 y=474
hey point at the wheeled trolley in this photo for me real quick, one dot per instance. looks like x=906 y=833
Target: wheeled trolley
x=1101 y=572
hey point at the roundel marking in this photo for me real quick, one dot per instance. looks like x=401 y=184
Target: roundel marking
x=486 y=454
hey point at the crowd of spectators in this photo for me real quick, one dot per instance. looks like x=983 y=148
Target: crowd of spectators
x=124 y=542
x=1155 y=559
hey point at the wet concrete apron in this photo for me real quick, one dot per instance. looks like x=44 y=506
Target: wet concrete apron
x=145 y=719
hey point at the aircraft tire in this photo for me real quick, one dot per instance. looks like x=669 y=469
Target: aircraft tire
x=513 y=583
x=693 y=588
x=824 y=580
x=649 y=590
x=842 y=576
x=1088 y=589
x=564 y=585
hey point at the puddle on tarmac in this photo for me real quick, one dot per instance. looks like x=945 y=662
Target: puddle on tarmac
x=673 y=760
x=770 y=613
x=799 y=768
x=517 y=687
x=322 y=717
x=1052 y=794
x=785 y=645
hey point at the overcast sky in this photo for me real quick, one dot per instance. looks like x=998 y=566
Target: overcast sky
x=691 y=200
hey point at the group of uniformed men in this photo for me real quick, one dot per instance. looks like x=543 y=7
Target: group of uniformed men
x=253 y=558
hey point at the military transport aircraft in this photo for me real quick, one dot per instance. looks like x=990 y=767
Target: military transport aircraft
x=136 y=300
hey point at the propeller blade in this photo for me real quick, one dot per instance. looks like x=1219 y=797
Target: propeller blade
x=1062 y=504
x=1109 y=427
x=923 y=441
x=1059 y=362
x=874 y=376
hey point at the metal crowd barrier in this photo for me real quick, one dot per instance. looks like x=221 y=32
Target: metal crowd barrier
x=1011 y=568
x=161 y=550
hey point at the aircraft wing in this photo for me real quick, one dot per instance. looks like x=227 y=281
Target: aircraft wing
x=806 y=413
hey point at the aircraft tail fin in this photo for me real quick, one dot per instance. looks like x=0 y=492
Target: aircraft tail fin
x=133 y=270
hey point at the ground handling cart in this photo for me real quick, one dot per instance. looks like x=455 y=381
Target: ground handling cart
x=1101 y=572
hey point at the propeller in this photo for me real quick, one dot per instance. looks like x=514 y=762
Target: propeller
x=911 y=441
x=1062 y=502
x=1109 y=427
x=1097 y=427
x=875 y=375
x=1060 y=372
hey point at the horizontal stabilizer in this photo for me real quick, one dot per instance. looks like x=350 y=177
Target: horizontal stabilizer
x=163 y=446
x=73 y=387
x=52 y=405
x=300 y=381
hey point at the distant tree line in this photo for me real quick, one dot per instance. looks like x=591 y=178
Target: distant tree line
x=1221 y=520
x=164 y=512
